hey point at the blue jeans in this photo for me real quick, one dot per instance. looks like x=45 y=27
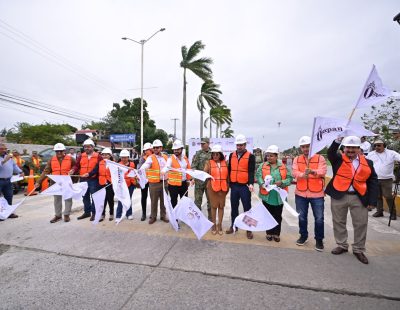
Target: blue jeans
x=88 y=204
x=239 y=192
x=7 y=190
x=317 y=206
x=119 y=208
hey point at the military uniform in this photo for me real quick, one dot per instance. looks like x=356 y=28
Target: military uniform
x=198 y=163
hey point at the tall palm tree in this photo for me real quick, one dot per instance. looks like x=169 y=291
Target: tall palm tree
x=219 y=115
x=199 y=66
x=227 y=132
x=209 y=94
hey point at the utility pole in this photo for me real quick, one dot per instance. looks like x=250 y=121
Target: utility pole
x=174 y=119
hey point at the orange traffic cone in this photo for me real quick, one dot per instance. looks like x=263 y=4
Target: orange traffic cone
x=31 y=185
x=45 y=184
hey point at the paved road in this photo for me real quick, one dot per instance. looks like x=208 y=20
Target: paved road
x=135 y=265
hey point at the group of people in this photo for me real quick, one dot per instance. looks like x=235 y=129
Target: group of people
x=359 y=183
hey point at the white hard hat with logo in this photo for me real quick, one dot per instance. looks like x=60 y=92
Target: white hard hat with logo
x=124 y=153
x=351 y=141
x=304 y=140
x=177 y=145
x=273 y=149
x=216 y=149
x=106 y=151
x=59 y=147
x=157 y=143
x=88 y=142
x=147 y=146
x=240 y=139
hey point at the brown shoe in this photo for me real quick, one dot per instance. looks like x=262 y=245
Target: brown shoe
x=66 y=218
x=55 y=219
x=13 y=216
x=165 y=220
x=92 y=218
x=249 y=235
x=229 y=231
x=338 y=251
x=152 y=220
x=361 y=257
x=276 y=238
x=377 y=214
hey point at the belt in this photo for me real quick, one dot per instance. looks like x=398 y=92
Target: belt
x=351 y=193
x=5 y=179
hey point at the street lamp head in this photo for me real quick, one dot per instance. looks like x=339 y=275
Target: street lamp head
x=124 y=38
x=162 y=29
x=397 y=18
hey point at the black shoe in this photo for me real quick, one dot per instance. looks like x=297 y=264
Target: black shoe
x=92 y=218
x=393 y=217
x=301 y=241
x=319 y=245
x=143 y=218
x=83 y=216
x=339 y=250
x=377 y=214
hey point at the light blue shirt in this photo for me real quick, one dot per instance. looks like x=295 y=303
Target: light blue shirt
x=8 y=168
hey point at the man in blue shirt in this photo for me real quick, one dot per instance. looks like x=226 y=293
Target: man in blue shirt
x=7 y=168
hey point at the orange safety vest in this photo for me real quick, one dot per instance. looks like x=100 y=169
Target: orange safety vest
x=153 y=173
x=104 y=173
x=266 y=170
x=174 y=177
x=346 y=176
x=87 y=164
x=36 y=161
x=19 y=161
x=64 y=168
x=129 y=180
x=220 y=175
x=313 y=183
x=240 y=168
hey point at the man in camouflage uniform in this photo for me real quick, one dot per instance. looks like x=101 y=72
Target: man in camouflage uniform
x=198 y=162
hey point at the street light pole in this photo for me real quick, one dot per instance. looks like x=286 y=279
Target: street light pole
x=174 y=119
x=142 y=42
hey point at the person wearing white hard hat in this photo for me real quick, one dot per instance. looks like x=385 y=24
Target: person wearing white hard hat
x=241 y=168
x=218 y=187
x=59 y=164
x=282 y=177
x=85 y=163
x=130 y=182
x=147 y=151
x=354 y=187
x=310 y=181
x=177 y=182
x=153 y=166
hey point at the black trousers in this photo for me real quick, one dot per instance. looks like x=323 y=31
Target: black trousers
x=276 y=212
x=109 y=199
x=174 y=191
x=145 y=193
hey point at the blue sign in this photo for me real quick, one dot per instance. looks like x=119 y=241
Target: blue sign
x=128 y=137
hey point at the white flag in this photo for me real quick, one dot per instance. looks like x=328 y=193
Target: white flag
x=120 y=188
x=170 y=211
x=325 y=130
x=187 y=212
x=256 y=219
x=373 y=91
x=197 y=174
x=140 y=176
x=98 y=199
x=6 y=210
x=63 y=186
x=16 y=178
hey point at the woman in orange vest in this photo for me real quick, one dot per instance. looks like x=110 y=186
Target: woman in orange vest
x=218 y=188
x=130 y=182
x=282 y=177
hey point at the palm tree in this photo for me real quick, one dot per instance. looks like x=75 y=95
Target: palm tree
x=210 y=94
x=227 y=132
x=200 y=67
x=219 y=115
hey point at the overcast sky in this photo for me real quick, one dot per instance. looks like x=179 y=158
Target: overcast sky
x=276 y=61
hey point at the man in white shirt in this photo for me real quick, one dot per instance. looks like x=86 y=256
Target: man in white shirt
x=383 y=160
x=365 y=146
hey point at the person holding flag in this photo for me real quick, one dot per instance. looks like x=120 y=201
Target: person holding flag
x=310 y=180
x=59 y=164
x=354 y=187
x=177 y=181
x=282 y=177
x=147 y=151
x=218 y=187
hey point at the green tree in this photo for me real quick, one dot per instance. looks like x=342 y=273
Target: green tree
x=219 y=115
x=227 y=132
x=209 y=94
x=41 y=134
x=199 y=66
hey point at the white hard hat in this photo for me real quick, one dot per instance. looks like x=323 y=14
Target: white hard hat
x=59 y=147
x=216 y=148
x=106 y=151
x=304 y=140
x=351 y=141
x=147 y=146
x=273 y=149
x=124 y=153
x=177 y=145
x=88 y=142
x=156 y=143
x=240 y=139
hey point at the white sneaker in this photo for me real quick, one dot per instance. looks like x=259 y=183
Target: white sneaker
x=130 y=217
x=117 y=219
